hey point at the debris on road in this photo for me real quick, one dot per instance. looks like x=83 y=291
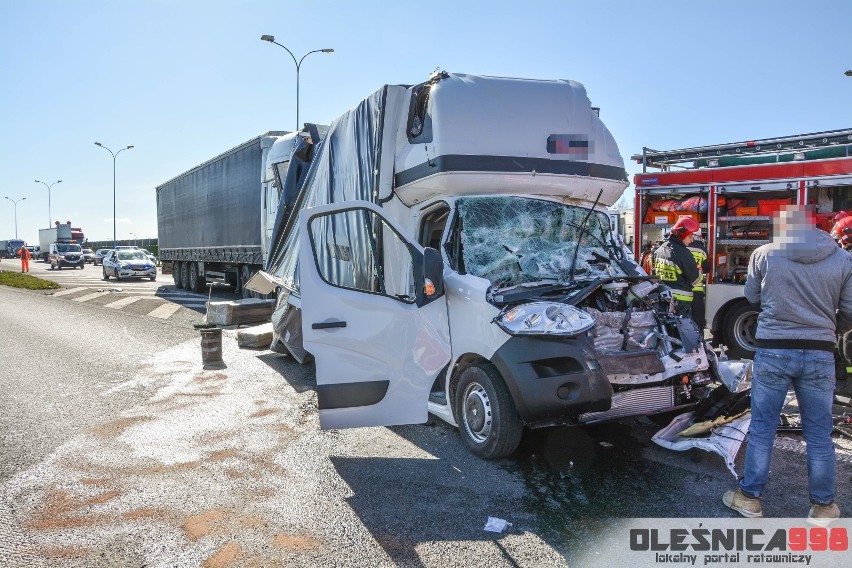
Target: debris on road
x=496 y=525
x=249 y=310
x=259 y=336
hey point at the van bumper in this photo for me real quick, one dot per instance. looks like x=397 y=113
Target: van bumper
x=553 y=379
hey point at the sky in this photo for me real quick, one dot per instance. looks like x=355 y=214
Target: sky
x=185 y=80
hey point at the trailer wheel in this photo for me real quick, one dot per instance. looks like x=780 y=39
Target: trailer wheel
x=197 y=283
x=184 y=275
x=245 y=275
x=740 y=329
x=193 y=277
x=176 y=274
x=488 y=421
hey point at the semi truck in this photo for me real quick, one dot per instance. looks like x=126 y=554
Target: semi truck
x=215 y=220
x=733 y=190
x=449 y=252
x=60 y=233
x=9 y=248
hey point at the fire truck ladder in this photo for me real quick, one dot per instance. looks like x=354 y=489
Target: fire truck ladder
x=709 y=155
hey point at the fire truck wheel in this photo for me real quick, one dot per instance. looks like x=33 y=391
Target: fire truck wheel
x=488 y=421
x=740 y=328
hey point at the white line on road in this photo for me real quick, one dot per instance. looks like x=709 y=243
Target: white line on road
x=88 y=297
x=123 y=302
x=165 y=311
x=68 y=291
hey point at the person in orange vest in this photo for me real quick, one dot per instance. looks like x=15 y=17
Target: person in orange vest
x=25 y=259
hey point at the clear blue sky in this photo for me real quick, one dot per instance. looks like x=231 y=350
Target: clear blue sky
x=184 y=80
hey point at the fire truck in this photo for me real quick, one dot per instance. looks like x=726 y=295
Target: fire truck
x=734 y=191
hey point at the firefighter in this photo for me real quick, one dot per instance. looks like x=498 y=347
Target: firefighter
x=842 y=230
x=25 y=259
x=842 y=233
x=675 y=266
x=699 y=253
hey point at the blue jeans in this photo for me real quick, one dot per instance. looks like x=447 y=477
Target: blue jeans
x=811 y=374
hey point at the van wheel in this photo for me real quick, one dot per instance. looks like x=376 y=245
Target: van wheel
x=488 y=421
x=740 y=329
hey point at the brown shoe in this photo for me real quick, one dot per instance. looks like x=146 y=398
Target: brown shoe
x=742 y=504
x=823 y=515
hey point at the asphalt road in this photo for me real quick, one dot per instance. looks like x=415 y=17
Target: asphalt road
x=118 y=449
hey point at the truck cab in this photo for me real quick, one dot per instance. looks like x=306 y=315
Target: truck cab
x=477 y=277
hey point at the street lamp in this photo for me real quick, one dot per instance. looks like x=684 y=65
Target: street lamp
x=135 y=238
x=15 y=201
x=49 y=216
x=271 y=39
x=114 y=156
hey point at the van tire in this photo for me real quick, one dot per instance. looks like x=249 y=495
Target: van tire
x=739 y=329
x=487 y=417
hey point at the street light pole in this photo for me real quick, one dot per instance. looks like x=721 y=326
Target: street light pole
x=49 y=216
x=15 y=201
x=135 y=239
x=271 y=39
x=114 y=156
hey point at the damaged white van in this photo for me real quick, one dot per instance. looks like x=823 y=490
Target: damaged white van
x=452 y=255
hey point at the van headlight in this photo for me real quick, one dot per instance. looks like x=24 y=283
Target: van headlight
x=545 y=318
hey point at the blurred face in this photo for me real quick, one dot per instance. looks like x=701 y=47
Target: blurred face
x=687 y=240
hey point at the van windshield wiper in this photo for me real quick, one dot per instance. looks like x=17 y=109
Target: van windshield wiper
x=527 y=290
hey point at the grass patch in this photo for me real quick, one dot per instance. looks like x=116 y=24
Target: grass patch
x=25 y=281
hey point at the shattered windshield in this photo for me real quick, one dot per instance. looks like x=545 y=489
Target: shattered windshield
x=516 y=240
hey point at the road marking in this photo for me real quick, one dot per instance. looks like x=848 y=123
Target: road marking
x=68 y=291
x=165 y=311
x=123 y=302
x=88 y=297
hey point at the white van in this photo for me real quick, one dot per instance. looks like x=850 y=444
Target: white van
x=453 y=255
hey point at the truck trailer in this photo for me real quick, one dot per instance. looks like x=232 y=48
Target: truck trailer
x=215 y=220
x=450 y=253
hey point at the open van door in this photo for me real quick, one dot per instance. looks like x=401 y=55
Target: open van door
x=373 y=315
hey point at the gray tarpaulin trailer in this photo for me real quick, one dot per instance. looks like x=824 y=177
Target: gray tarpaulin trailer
x=213 y=219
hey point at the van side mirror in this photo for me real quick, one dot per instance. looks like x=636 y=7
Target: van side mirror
x=433 y=277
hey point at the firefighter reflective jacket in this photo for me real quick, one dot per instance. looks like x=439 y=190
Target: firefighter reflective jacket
x=675 y=267
x=699 y=253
